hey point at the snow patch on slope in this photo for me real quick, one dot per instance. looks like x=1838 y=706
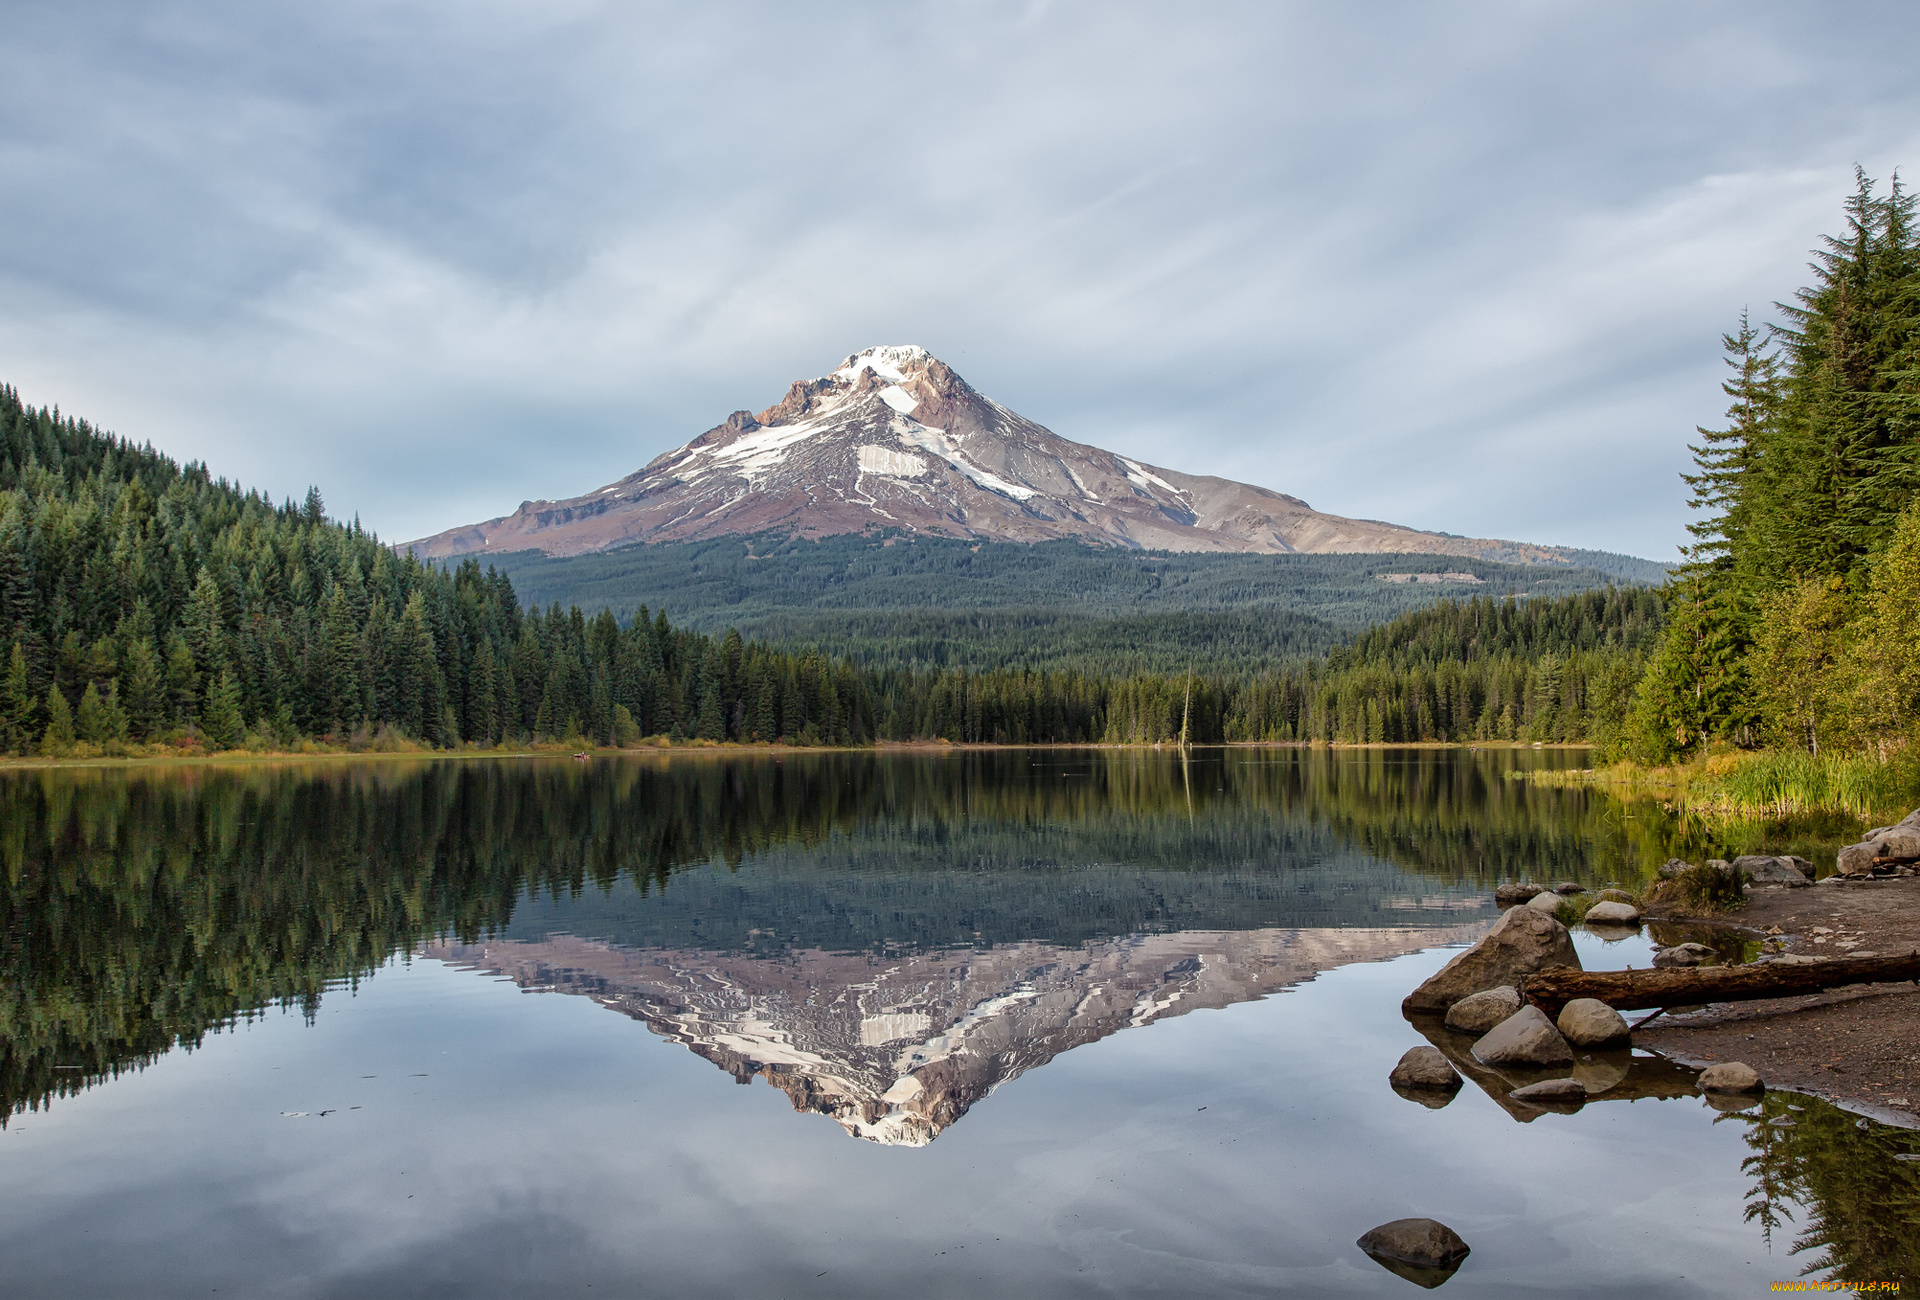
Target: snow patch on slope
x=1141 y=476
x=899 y=399
x=937 y=442
x=894 y=464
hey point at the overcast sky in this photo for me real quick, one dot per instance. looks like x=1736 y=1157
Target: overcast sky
x=1462 y=266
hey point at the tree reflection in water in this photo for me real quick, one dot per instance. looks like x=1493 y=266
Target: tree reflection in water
x=1844 y=1182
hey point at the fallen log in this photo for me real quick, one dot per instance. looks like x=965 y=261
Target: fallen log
x=1635 y=990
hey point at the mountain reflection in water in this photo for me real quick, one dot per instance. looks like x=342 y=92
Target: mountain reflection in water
x=142 y=908
x=895 y=1047
x=885 y=937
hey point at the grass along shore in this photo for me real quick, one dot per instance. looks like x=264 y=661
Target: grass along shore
x=1734 y=785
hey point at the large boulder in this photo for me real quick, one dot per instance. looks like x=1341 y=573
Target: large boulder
x=1731 y=1076
x=1902 y=844
x=1425 y=1067
x=1514 y=892
x=1526 y=1037
x=1857 y=859
x=1589 y=1022
x=1613 y=914
x=1521 y=943
x=1772 y=870
x=1478 y=1012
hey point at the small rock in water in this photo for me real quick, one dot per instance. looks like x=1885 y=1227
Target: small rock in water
x=1483 y=1010
x=1673 y=868
x=1613 y=914
x=1589 y=1022
x=1567 y=889
x=1730 y=1076
x=1785 y=1121
x=1907 y=1155
x=1562 y=1091
x=1425 y=1067
x=1424 y=1251
x=1614 y=896
x=1526 y=1037
x=1682 y=954
x=1514 y=892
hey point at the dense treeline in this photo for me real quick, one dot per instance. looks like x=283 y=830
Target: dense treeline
x=1540 y=670
x=1789 y=625
x=149 y=603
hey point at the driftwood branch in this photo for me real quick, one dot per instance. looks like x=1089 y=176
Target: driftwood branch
x=1632 y=990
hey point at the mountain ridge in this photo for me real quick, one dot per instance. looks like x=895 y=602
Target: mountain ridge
x=894 y=438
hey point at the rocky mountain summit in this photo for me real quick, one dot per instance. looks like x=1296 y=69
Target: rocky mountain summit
x=894 y=438
x=895 y=1047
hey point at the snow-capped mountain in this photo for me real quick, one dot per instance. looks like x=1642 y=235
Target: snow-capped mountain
x=897 y=1046
x=894 y=438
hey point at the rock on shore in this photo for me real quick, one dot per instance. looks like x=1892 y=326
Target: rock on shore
x=1526 y=1037
x=1521 y=942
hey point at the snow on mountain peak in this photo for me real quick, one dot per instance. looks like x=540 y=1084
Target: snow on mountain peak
x=889 y=363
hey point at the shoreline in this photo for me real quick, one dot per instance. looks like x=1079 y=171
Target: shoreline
x=1857 y=1046
x=242 y=757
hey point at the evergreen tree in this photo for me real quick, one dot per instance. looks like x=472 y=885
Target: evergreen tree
x=17 y=704
x=59 y=733
x=220 y=718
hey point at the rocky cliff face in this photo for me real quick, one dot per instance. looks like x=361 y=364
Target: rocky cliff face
x=894 y=438
x=896 y=1048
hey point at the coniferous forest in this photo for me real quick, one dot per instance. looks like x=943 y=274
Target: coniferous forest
x=151 y=604
x=1791 y=624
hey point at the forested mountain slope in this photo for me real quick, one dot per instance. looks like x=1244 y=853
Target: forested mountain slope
x=898 y=601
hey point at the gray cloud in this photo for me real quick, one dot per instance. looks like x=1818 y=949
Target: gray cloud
x=1458 y=266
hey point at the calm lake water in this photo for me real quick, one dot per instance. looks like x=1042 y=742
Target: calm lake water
x=1038 y=1023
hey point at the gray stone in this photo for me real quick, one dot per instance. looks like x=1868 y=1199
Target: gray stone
x=1423 y=1243
x=1526 y=1037
x=1514 y=892
x=1901 y=843
x=1674 y=868
x=1683 y=954
x=1856 y=860
x=1718 y=864
x=1522 y=942
x=1772 y=871
x=1589 y=1022
x=1544 y=903
x=1564 y=1091
x=1613 y=914
x=1478 y=1012
x=1567 y=889
x=1615 y=896
x=1731 y=1076
x=1425 y=1067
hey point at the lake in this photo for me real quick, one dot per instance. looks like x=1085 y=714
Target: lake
x=1005 y=1023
